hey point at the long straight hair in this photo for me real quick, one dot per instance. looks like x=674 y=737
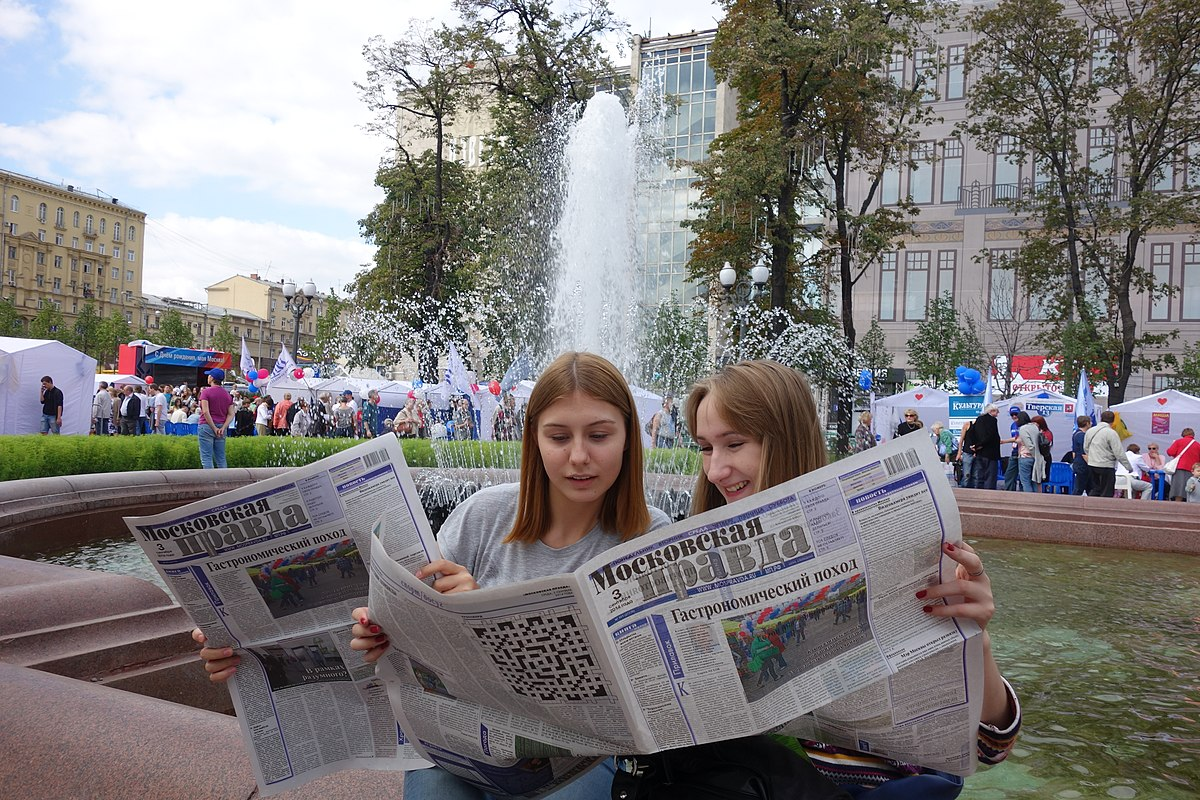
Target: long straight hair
x=624 y=508
x=771 y=404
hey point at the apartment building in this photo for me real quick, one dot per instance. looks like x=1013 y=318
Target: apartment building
x=63 y=246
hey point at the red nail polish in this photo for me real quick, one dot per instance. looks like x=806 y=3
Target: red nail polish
x=374 y=629
x=949 y=547
x=921 y=594
x=927 y=609
x=363 y=620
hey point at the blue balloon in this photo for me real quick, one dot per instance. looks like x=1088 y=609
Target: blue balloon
x=418 y=383
x=971 y=375
x=864 y=380
x=959 y=370
x=251 y=389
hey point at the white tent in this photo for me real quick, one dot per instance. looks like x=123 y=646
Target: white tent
x=1057 y=408
x=931 y=405
x=23 y=362
x=117 y=379
x=1159 y=417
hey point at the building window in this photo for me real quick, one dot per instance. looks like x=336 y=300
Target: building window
x=132 y=234
x=920 y=176
x=10 y=277
x=916 y=284
x=116 y=252
x=89 y=226
x=60 y=218
x=14 y=204
x=58 y=239
x=58 y=262
x=75 y=242
x=103 y=225
x=956 y=72
x=57 y=285
x=1007 y=169
x=112 y=295
x=129 y=314
x=1160 y=266
x=925 y=74
x=1100 y=150
x=887 y=286
x=41 y=235
x=116 y=273
x=40 y=281
x=1190 y=285
x=1164 y=382
x=129 y=276
x=74 y=265
x=947 y=265
x=12 y=253
x=116 y=231
x=952 y=166
x=41 y=257
x=102 y=248
x=128 y=297
x=1164 y=181
x=889 y=187
x=12 y=229
x=1102 y=41
x=88 y=246
x=87 y=267
x=129 y=255
x=1002 y=286
x=75 y=219
x=42 y=212
x=895 y=68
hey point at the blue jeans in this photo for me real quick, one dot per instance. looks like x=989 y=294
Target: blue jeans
x=1012 y=478
x=1025 y=472
x=49 y=423
x=984 y=472
x=212 y=447
x=436 y=783
x=968 y=461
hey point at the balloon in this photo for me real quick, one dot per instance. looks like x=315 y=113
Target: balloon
x=149 y=379
x=260 y=381
x=251 y=374
x=309 y=372
x=494 y=388
x=864 y=380
x=298 y=373
x=251 y=389
x=418 y=383
x=412 y=394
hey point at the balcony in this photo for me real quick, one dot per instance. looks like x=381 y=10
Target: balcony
x=999 y=196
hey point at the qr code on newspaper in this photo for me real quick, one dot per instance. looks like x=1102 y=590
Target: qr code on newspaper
x=545 y=656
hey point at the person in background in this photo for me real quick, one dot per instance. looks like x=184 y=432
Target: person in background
x=910 y=424
x=343 y=418
x=178 y=413
x=1012 y=471
x=405 y=424
x=51 y=398
x=664 y=425
x=131 y=413
x=243 y=420
x=1133 y=452
x=264 y=413
x=864 y=437
x=464 y=419
x=279 y=421
x=370 y=414
x=1079 y=467
x=1191 y=489
x=101 y=410
x=1154 y=458
x=1027 y=451
x=1102 y=448
x=966 y=454
x=1188 y=450
x=756 y=425
x=216 y=415
x=302 y=420
x=943 y=441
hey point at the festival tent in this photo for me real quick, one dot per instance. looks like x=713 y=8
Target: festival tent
x=117 y=379
x=931 y=405
x=1057 y=408
x=1159 y=417
x=23 y=362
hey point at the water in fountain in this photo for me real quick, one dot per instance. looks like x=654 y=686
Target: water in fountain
x=595 y=299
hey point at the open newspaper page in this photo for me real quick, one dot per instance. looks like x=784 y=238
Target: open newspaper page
x=749 y=616
x=505 y=687
x=728 y=624
x=274 y=569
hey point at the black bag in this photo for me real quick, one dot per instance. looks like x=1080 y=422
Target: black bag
x=753 y=768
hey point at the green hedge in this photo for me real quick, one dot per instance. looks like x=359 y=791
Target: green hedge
x=46 y=456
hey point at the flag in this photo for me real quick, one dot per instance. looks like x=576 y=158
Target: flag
x=1085 y=402
x=519 y=370
x=247 y=362
x=1119 y=426
x=456 y=374
x=987 y=391
x=283 y=365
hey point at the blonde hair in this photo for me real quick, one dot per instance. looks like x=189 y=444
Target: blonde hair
x=624 y=508
x=773 y=405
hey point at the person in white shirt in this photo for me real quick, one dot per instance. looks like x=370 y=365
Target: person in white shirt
x=1140 y=487
x=1137 y=461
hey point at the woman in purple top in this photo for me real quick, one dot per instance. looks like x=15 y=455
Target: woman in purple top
x=215 y=416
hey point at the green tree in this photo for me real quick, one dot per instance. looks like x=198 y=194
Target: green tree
x=674 y=348
x=328 y=344
x=1187 y=371
x=944 y=340
x=85 y=334
x=1126 y=73
x=49 y=324
x=816 y=111
x=225 y=340
x=11 y=323
x=872 y=352
x=114 y=332
x=173 y=331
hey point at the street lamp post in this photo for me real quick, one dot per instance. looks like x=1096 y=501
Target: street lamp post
x=298 y=301
x=742 y=293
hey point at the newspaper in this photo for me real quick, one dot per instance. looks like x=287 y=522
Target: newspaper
x=274 y=570
x=791 y=610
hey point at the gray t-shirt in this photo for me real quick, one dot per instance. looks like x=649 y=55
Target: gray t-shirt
x=473 y=535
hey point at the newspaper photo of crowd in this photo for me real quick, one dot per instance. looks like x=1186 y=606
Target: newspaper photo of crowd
x=830 y=621
x=327 y=574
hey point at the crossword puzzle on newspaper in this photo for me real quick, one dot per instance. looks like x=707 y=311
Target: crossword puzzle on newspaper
x=544 y=656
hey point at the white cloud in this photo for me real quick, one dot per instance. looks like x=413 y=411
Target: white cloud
x=184 y=255
x=17 y=20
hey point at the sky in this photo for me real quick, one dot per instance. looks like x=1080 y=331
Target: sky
x=236 y=127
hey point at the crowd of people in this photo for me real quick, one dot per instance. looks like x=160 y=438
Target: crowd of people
x=1097 y=454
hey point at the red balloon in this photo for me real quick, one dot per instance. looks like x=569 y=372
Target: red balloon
x=297 y=373
x=149 y=379
x=494 y=388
